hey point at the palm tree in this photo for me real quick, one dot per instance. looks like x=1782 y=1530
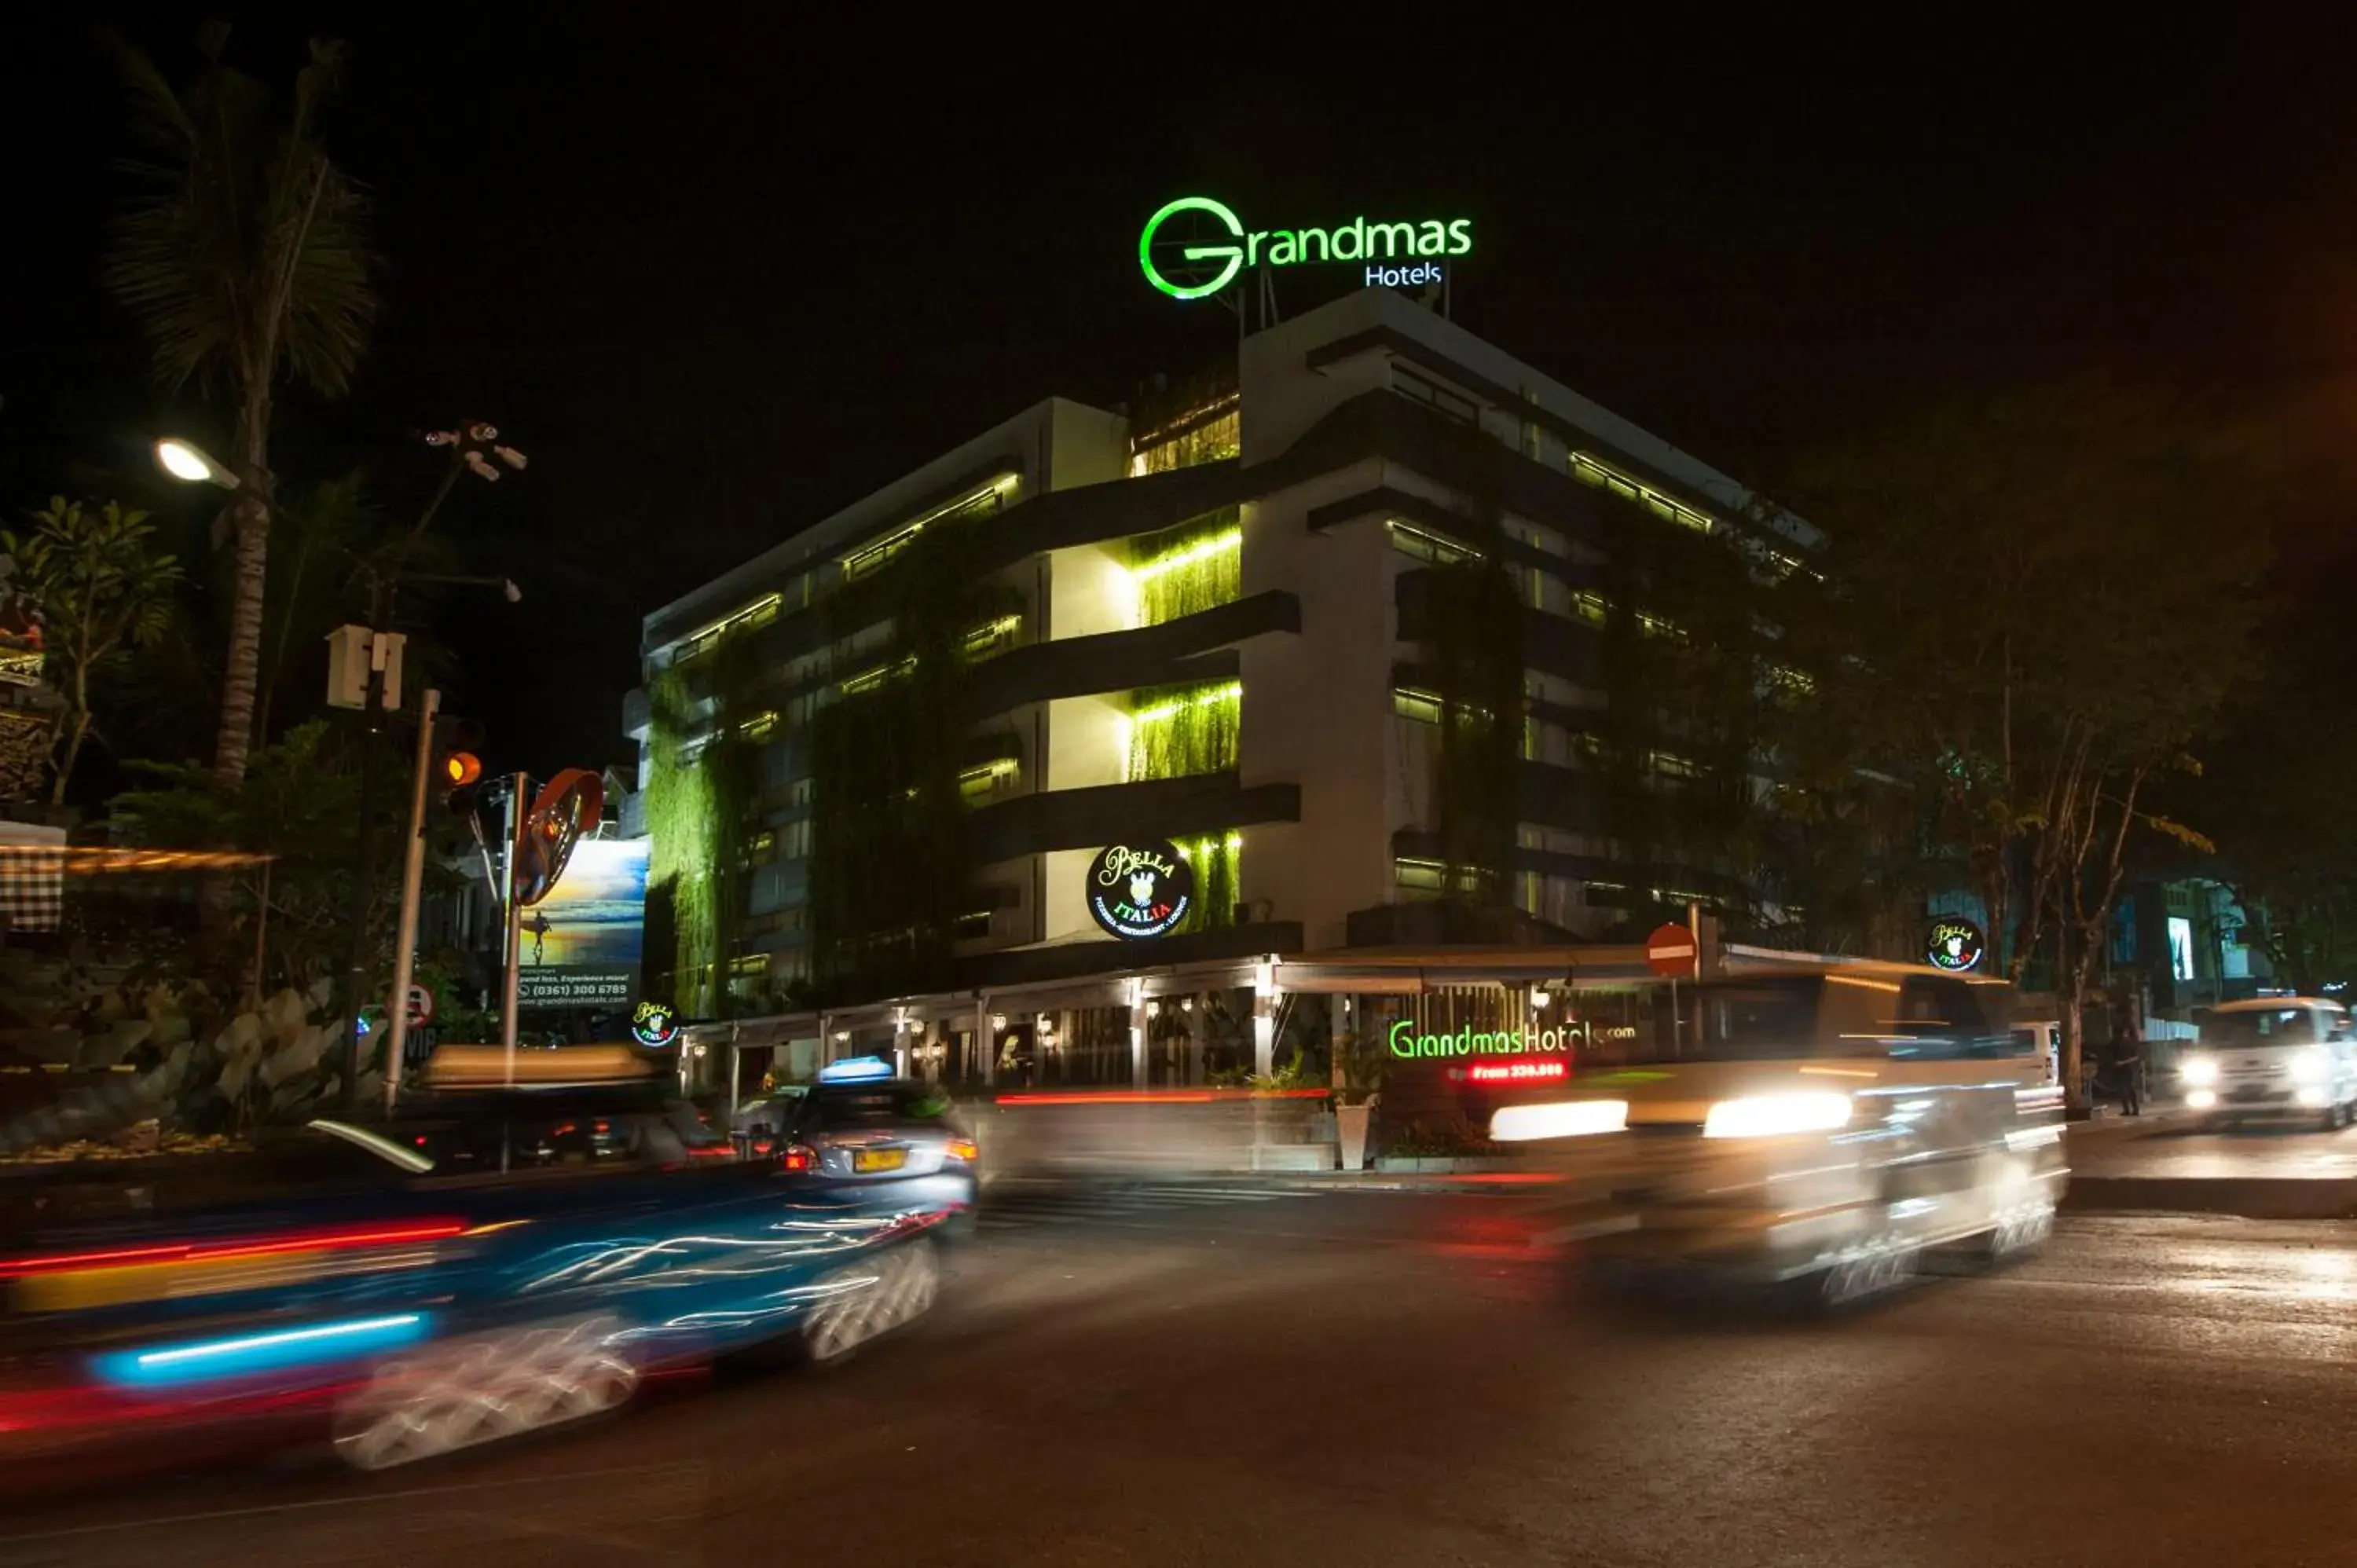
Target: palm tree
x=242 y=253
x=101 y=590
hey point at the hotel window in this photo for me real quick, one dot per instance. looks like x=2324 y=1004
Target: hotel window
x=1437 y=548
x=793 y=841
x=752 y=617
x=1421 y=706
x=1537 y=537
x=1417 y=876
x=1423 y=875
x=1553 y=899
x=1654 y=626
x=1588 y=471
x=1542 y=590
x=1415 y=389
x=993 y=638
x=983 y=782
x=1547 y=688
x=1554 y=841
x=1558 y=744
x=1670 y=765
x=982 y=504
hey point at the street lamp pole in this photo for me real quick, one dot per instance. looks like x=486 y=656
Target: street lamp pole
x=364 y=869
x=412 y=870
x=468 y=445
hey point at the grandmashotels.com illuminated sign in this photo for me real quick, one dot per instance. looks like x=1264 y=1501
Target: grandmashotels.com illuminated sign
x=1406 y=1043
x=1196 y=246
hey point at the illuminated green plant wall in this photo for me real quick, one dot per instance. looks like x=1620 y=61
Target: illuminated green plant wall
x=1177 y=731
x=1185 y=570
x=699 y=814
x=1219 y=886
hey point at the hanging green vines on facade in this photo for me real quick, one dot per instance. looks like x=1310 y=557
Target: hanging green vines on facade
x=700 y=805
x=891 y=867
x=1217 y=859
x=1185 y=570
x=1177 y=731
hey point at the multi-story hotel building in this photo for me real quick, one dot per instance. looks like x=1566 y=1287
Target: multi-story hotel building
x=1226 y=624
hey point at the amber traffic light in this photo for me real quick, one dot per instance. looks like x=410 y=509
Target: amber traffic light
x=461 y=769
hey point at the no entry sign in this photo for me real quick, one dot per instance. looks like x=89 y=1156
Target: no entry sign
x=1671 y=951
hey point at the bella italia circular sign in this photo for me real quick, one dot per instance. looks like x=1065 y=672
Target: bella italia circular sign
x=1956 y=945
x=1138 y=890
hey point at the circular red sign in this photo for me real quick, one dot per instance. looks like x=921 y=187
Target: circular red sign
x=1671 y=951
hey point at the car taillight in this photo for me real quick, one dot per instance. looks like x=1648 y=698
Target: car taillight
x=965 y=1150
x=800 y=1157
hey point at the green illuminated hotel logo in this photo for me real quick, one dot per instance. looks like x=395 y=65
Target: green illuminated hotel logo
x=1407 y=1044
x=1195 y=246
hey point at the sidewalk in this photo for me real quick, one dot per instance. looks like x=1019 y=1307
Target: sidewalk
x=2164 y=1163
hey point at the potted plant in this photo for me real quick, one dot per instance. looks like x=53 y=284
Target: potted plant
x=1357 y=1084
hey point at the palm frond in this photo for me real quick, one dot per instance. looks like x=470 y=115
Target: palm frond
x=239 y=248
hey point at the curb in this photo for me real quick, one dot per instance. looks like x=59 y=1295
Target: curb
x=2247 y=1198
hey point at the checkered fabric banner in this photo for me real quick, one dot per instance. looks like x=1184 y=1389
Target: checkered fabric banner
x=32 y=887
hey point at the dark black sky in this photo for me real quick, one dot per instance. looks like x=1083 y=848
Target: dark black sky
x=721 y=276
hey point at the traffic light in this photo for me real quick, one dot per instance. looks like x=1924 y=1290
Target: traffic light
x=457 y=769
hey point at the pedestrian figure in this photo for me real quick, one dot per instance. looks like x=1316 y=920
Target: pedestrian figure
x=2123 y=1065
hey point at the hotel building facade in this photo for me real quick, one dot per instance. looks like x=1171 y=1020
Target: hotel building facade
x=1223 y=624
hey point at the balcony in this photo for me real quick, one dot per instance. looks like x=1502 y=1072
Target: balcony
x=1193 y=648
x=1104 y=814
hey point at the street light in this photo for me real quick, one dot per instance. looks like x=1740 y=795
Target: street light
x=191 y=463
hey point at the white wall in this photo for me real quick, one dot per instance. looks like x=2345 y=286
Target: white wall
x=1090 y=592
x=1283 y=397
x=1088 y=742
x=1067 y=897
x=1316 y=708
x=1087 y=445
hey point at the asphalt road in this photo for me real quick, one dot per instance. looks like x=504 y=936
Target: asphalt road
x=1197 y=1377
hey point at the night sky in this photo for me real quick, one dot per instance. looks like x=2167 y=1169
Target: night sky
x=721 y=277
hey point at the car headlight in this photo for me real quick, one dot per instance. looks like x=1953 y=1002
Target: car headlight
x=2199 y=1071
x=1773 y=1115
x=1560 y=1119
x=2312 y=1064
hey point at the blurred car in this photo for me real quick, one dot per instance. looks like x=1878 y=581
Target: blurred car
x=859 y=1123
x=1813 y=1130
x=493 y=1264
x=2273 y=1058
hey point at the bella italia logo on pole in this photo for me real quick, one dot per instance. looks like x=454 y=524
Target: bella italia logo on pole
x=1195 y=247
x=1140 y=890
